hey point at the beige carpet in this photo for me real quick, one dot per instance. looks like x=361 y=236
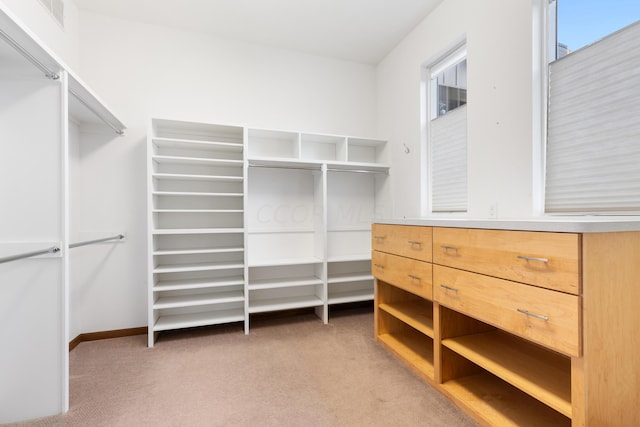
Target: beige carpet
x=291 y=371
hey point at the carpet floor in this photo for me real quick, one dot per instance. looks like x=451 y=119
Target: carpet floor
x=289 y=371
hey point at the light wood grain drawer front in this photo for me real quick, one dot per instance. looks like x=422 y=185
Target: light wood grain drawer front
x=549 y=260
x=408 y=274
x=405 y=240
x=544 y=316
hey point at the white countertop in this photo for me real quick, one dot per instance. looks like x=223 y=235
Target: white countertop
x=580 y=224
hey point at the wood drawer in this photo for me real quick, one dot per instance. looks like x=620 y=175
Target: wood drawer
x=405 y=240
x=549 y=260
x=553 y=318
x=408 y=274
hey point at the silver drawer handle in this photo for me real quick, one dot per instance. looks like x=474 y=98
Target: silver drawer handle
x=411 y=276
x=537 y=316
x=531 y=258
x=447 y=248
x=379 y=237
x=449 y=288
x=413 y=242
x=379 y=266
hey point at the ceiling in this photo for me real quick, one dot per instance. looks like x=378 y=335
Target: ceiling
x=355 y=30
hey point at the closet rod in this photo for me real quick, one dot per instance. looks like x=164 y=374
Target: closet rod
x=107 y=122
x=90 y=242
x=29 y=57
x=357 y=171
x=283 y=167
x=51 y=250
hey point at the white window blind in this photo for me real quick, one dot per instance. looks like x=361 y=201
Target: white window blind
x=449 y=161
x=593 y=146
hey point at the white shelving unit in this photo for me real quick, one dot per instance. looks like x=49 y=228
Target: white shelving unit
x=196 y=218
x=311 y=201
x=246 y=221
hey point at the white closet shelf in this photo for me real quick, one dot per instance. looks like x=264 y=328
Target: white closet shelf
x=196 y=300
x=285 y=162
x=358 y=166
x=206 y=266
x=177 y=285
x=285 y=261
x=198 y=231
x=194 y=177
x=179 y=321
x=198 y=210
x=275 y=304
x=196 y=161
x=351 y=257
x=197 y=144
x=197 y=251
x=350 y=296
x=194 y=194
x=287 y=282
x=351 y=277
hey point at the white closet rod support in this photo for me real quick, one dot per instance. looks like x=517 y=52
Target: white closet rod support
x=90 y=242
x=86 y=104
x=22 y=51
x=51 y=250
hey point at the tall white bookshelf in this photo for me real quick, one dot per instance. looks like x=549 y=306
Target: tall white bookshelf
x=196 y=191
x=246 y=221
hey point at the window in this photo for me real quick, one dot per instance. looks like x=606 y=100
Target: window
x=593 y=134
x=447 y=98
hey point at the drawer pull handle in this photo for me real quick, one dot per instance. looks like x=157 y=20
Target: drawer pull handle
x=379 y=237
x=531 y=258
x=537 y=316
x=447 y=248
x=413 y=242
x=411 y=276
x=448 y=288
x=379 y=266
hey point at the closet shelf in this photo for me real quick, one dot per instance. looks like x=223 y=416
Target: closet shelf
x=412 y=313
x=198 y=231
x=196 y=161
x=197 y=144
x=414 y=349
x=287 y=261
x=350 y=296
x=358 y=166
x=349 y=258
x=351 y=277
x=176 y=285
x=196 y=300
x=194 y=177
x=538 y=372
x=287 y=303
x=194 y=194
x=179 y=321
x=285 y=163
x=288 y=282
x=183 y=268
x=197 y=251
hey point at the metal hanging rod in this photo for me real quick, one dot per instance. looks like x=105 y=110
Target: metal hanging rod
x=283 y=167
x=107 y=122
x=51 y=250
x=29 y=57
x=357 y=171
x=90 y=242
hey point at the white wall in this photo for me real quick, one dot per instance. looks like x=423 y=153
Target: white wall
x=143 y=71
x=63 y=42
x=500 y=104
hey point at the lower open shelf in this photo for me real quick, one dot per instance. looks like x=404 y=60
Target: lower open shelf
x=283 y=303
x=189 y=320
x=414 y=349
x=488 y=398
